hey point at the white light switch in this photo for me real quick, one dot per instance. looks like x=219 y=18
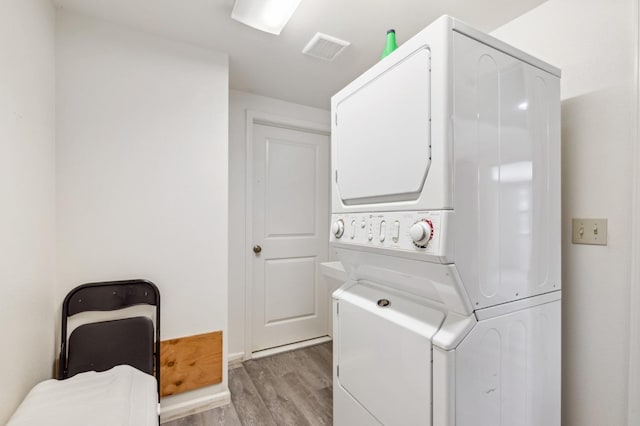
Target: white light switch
x=589 y=231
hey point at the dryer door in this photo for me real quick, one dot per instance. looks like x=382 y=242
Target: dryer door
x=383 y=351
x=383 y=129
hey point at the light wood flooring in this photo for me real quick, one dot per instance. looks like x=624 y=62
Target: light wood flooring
x=291 y=388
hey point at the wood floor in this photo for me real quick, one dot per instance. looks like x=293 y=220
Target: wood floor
x=291 y=388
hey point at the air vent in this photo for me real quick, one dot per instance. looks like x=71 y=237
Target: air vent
x=325 y=47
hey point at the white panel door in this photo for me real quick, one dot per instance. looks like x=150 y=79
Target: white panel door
x=290 y=235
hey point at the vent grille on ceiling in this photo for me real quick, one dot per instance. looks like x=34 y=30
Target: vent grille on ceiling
x=325 y=47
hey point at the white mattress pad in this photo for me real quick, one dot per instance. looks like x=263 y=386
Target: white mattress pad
x=120 y=396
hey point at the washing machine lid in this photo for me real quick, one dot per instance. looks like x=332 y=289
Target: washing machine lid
x=382 y=135
x=384 y=353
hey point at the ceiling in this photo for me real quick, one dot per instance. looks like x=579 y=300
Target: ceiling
x=274 y=66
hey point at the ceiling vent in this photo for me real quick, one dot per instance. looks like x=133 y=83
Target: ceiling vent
x=325 y=47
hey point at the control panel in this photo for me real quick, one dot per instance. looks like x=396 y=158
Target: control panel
x=418 y=232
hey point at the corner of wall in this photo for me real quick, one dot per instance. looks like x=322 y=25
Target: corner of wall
x=27 y=217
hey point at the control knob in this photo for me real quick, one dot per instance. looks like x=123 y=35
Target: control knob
x=337 y=228
x=421 y=232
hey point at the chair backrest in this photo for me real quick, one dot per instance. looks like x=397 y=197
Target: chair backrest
x=108 y=296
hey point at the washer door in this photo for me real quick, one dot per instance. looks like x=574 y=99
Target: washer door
x=383 y=348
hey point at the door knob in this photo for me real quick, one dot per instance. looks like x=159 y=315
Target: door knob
x=257 y=249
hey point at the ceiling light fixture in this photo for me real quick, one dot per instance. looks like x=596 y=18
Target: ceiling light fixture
x=265 y=15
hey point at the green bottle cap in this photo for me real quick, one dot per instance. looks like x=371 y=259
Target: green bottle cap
x=391 y=43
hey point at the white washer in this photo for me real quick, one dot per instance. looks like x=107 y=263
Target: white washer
x=446 y=216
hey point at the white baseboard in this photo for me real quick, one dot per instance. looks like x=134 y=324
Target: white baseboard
x=290 y=347
x=193 y=406
x=234 y=359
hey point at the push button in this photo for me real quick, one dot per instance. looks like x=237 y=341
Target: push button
x=396 y=231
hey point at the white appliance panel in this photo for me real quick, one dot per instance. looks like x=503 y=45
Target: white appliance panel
x=508 y=370
x=347 y=411
x=438 y=283
x=383 y=130
x=506 y=173
x=391 y=231
x=386 y=366
x=444 y=391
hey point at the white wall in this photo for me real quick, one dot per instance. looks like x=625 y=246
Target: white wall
x=593 y=44
x=27 y=206
x=239 y=103
x=142 y=171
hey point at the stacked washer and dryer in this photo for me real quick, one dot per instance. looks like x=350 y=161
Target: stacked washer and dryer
x=446 y=217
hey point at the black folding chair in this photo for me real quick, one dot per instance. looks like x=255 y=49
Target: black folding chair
x=101 y=345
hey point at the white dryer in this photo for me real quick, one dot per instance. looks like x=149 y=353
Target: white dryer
x=446 y=216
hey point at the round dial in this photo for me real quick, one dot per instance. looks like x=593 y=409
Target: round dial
x=421 y=232
x=338 y=228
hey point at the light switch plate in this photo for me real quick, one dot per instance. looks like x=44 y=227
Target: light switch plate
x=589 y=231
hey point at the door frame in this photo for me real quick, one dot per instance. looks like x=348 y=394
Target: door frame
x=254 y=117
x=633 y=401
